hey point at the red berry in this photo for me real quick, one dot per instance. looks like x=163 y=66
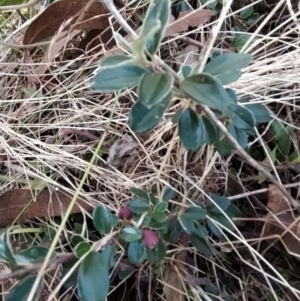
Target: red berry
x=150 y=238
x=125 y=213
x=184 y=238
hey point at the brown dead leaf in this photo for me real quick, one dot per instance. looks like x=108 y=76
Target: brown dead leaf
x=188 y=19
x=276 y=201
x=173 y=284
x=122 y=151
x=46 y=204
x=48 y=22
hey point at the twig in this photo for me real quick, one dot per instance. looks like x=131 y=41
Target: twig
x=19 y=6
x=200 y=44
x=248 y=158
x=53 y=263
x=259 y=191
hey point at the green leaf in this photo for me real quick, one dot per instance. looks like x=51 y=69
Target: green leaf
x=81 y=248
x=142 y=120
x=195 y=213
x=252 y=19
x=176 y=116
x=137 y=252
x=222 y=201
x=153 y=88
x=168 y=194
x=241 y=39
x=200 y=231
x=186 y=70
x=5 y=249
x=140 y=193
x=214 y=229
x=122 y=76
x=113 y=60
x=246 y=12
x=11 y=2
x=191 y=130
x=222 y=219
x=157 y=254
x=201 y=245
x=160 y=207
x=240 y=116
x=232 y=95
x=210 y=130
x=233 y=211
x=229 y=77
x=130 y=234
x=159 y=11
x=138 y=206
x=108 y=255
x=224 y=146
x=155 y=225
x=205 y=89
x=76 y=239
x=187 y=224
x=93 y=278
x=174 y=231
x=159 y=217
x=21 y=291
x=227 y=62
x=103 y=219
x=72 y=280
x=35 y=254
x=261 y=115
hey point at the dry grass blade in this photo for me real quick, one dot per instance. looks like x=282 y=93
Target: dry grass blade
x=173 y=285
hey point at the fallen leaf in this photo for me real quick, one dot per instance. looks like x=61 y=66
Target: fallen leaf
x=122 y=151
x=46 y=204
x=276 y=201
x=188 y=19
x=48 y=22
x=173 y=284
x=189 y=55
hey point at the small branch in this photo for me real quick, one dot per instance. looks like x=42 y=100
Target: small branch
x=19 y=6
x=248 y=158
x=53 y=263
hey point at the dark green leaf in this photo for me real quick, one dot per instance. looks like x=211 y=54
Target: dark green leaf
x=191 y=130
x=113 y=60
x=108 y=255
x=35 y=254
x=232 y=95
x=142 y=120
x=240 y=116
x=159 y=11
x=152 y=198
x=155 y=225
x=233 y=211
x=246 y=12
x=241 y=39
x=200 y=231
x=138 y=206
x=252 y=19
x=174 y=231
x=130 y=234
x=227 y=62
x=160 y=207
x=201 y=245
x=123 y=274
x=109 y=79
x=195 y=213
x=72 y=280
x=222 y=219
x=210 y=130
x=140 y=193
x=21 y=291
x=5 y=248
x=153 y=88
x=206 y=89
x=81 y=248
x=214 y=229
x=93 y=278
x=176 y=116
x=261 y=115
x=76 y=239
x=186 y=70
x=103 y=219
x=222 y=201
x=159 y=217
x=187 y=224
x=168 y=194
x=137 y=252
x=157 y=254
